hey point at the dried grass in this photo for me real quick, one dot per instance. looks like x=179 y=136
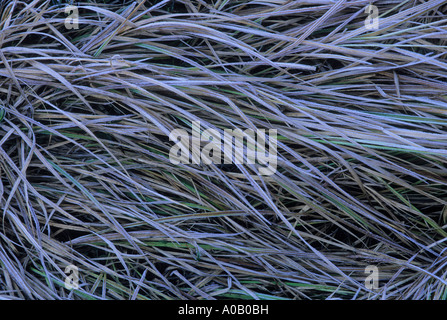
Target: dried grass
x=85 y=176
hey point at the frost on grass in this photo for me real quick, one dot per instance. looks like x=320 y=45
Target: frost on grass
x=85 y=175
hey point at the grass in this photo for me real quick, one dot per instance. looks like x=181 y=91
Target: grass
x=85 y=175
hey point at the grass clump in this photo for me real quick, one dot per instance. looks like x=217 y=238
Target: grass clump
x=85 y=175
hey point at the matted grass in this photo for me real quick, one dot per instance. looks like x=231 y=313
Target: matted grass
x=85 y=176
